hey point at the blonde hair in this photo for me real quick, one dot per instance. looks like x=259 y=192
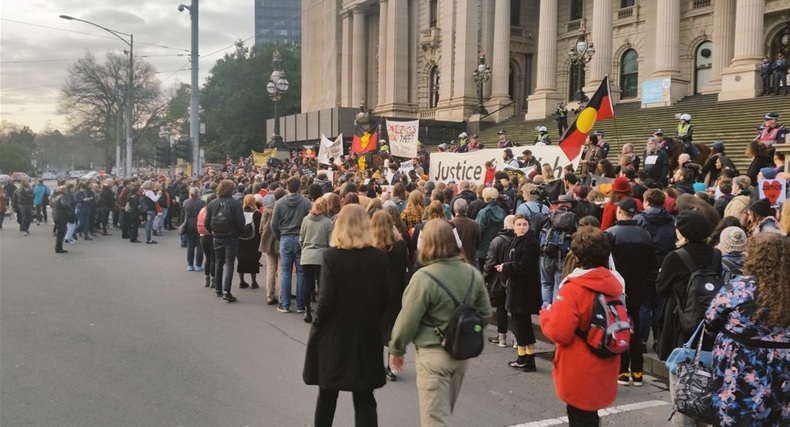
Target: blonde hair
x=352 y=228
x=510 y=220
x=417 y=199
x=438 y=242
x=490 y=194
x=249 y=202
x=321 y=205
x=784 y=219
x=435 y=211
x=382 y=225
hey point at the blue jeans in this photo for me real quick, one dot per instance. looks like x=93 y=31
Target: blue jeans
x=225 y=251
x=290 y=254
x=83 y=223
x=651 y=310
x=159 y=222
x=550 y=277
x=149 y=225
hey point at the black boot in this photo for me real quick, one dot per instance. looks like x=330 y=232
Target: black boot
x=308 y=315
x=530 y=364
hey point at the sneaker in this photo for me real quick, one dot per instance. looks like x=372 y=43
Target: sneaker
x=69 y=241
x=519 y=366
x=272 y=302
x=391 y=375
x=208 y=281
x=151 y=242
x=61 y=251
x=199 y=268
x=636 y=377
x=229 y=297
x=282 y=309
x=495 y=341
x=87 y=238
x=244 y=285
x=190 y=268
x=308 y=316
x=300 y=310
x=218 y=294
x=624 y=379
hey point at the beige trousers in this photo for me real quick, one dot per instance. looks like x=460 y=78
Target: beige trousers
x=273 y=277
x=439 y=379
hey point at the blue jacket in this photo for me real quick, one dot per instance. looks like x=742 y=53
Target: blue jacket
x=40 y=190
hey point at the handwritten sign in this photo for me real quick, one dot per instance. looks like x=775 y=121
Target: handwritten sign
x=403 y=138
x=775 y=190
x=328 y=149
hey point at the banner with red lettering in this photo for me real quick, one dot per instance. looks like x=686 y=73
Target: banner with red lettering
x=403 y=138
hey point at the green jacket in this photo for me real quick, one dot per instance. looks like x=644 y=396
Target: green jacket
x=314 y=238
x=423 y=295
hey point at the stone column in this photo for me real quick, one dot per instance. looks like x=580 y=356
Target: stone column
x=601 y=63
x=359 y=57
x=667 y=58
x=345 y=65
x=741 y=80
x=544 y=101
x=382 y=52
x=723 y=41
x=487 y=29
x=396 y=92
x=500 y=57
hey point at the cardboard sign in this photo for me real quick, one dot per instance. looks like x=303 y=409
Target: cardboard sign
x=328 y=149
x=403 y=138
x=775 y=190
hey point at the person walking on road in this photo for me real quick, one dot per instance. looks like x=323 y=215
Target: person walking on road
x=24 y=197
x=150 y=200
x=190 y=210
x=62 y=214
x=40 y=201
x=345 y=342
x=225 y=222
x=439 y=375
x=314 y=236
x=289 y=212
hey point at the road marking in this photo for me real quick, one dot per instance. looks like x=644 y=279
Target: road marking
x=603 y=412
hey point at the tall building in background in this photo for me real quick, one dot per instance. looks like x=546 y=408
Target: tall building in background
x=278 y=21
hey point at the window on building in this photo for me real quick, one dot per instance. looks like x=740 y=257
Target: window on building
x=577 y=10
x=433 y=13
x=515 y=13
x=629 y=74
x=433 y=97
x=627 y=3
x=576 y=82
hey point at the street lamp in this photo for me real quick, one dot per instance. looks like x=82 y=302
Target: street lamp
x=481 y=74
x=580 y=54
x=129 y=95
x=194 y=103
x=277 y=86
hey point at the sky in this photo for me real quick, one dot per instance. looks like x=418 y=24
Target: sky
x=36 y=46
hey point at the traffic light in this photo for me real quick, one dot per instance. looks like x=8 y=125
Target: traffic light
x=183 y=148
x=163 y=155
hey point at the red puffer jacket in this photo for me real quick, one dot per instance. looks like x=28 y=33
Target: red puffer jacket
x=581 y=378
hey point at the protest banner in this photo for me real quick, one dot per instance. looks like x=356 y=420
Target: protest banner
x=775 y=190
x=403 y=138
x=471 y=166
x=328 y=149
x=259 y=159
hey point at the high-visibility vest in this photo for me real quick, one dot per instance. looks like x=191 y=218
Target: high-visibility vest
x=683 y=129
x=768 y=135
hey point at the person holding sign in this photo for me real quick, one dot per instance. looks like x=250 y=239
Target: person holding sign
x=760 y=217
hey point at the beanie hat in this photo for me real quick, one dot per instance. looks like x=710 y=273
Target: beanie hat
x=315 y=191
x=768 y=173
x=693 y=225
x=761 y=208
x=621 y=185
x=699 y=186
x=732 y=240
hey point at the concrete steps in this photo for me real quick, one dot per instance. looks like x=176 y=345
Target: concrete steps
x=734 y=122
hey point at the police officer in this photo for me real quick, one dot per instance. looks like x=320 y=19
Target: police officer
x=780 y=73
x=685 y=133
x=661 y=143
x=772 y=132
x=503 y=142
x=463 y=139
x=562 y=118
x=543 y=136
x=765 y=72
x=602 y=144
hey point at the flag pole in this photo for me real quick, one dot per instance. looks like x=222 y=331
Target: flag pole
x=614 y=116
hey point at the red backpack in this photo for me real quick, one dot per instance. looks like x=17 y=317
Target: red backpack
x=609 y=333
x=201 y=220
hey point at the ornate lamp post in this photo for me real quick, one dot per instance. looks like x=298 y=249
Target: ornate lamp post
x=580 y=54
x=277 y=86
x=481 y=74
x=129 y=95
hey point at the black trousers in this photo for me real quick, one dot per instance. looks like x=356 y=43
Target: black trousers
x=132 y=225
x=580 y=418
x=364 y=408
x=633 y=358
x=125 y=222
x=498 y=302
x=311 y=275
x=207 y=243
x=522 y=329
x=60 y=233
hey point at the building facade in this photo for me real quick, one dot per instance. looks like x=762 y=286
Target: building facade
x=278 y=21
x=415 y=58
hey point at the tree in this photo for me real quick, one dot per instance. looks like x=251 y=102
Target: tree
x=16 y=147
x=236 y=104
x=94 y=96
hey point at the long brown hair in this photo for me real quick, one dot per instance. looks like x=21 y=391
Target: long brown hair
x=438 y=242
x=767 y=260
x=382 y=230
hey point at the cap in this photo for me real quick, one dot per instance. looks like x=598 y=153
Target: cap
x=693 y=225
x=473 y=136
x=462 y=135
x=659 y=131
x=768 y=173
x=771 y=116
x=502 y=132
x=761 y=208
x=718 y=145
x=627 y=205
x=566 y=198
x=732 y=240
x=599 y=132
x=430 y=185
x=621 y=185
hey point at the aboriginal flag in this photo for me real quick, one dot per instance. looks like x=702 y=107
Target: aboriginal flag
x=599 y=108
x=364 y=141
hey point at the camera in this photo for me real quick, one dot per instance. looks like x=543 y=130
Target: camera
x=542 y=194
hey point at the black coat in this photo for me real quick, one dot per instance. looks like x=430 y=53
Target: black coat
x=633 y=253
x=497 y=254
x=522 y=271
x=398 y=263
x=672 y=281
x=344 y=349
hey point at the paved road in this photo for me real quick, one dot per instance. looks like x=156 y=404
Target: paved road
x=116 y=334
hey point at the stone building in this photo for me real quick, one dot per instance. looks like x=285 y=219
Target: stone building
x=416 y=58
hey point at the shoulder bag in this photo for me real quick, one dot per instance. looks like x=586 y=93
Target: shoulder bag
x=693 y=389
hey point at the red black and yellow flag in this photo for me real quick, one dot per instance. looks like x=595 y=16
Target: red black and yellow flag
x=364 y=141
x=599 y=108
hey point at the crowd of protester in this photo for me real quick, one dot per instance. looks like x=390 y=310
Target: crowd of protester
x=368 y=248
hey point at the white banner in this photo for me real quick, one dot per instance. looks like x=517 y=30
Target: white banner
x=328 y=149
x=471 y=166
x=403 y=138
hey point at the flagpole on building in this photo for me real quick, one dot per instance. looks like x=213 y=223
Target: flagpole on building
x=614 y=116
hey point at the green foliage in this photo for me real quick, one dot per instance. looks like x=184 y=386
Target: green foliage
x=15 y=157
x=235 y=102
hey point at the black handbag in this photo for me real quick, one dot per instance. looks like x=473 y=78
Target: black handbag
x=693 y=389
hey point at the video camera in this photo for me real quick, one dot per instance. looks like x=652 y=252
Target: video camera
x=542 y=194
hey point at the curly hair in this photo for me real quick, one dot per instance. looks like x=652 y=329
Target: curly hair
x=591 y=247
x=766 y=260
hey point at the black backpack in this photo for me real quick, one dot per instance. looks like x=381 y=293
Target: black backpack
x=702 y=286
x=142 y=205
x=555 y=236
x=463 y=338
x=222 y=219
